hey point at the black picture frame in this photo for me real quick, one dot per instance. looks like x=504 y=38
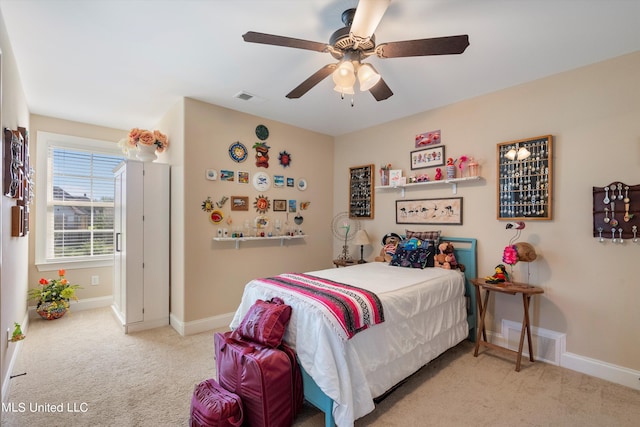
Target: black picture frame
x=439 y=211
x=427 y=157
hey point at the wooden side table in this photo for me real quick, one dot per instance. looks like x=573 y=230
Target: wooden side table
x=344 y=262
x=512 y=288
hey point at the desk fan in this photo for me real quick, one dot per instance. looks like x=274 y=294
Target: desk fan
x=344 y=228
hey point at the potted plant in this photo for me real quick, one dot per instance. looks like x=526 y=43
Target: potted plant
x=53 y=296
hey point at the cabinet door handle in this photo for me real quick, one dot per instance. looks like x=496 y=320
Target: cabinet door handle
x=118 y=242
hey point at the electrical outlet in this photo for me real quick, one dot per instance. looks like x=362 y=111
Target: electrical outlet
x=95 y=280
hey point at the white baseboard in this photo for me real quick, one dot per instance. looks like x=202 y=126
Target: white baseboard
x=6 y=381
x=83 y=304
x=550 y=347
x=202 y=325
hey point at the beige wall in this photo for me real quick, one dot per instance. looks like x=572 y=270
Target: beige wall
x=13 y=250
x=79 y=276
x=591 y=289
x=215 y=272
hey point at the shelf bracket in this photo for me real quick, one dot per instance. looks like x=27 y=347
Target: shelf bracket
x=454 y=188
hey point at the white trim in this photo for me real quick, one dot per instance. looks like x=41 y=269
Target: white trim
x=6 y=383
x=44 y=141
x=83 y=304
x=202 y=325
x=575 y=362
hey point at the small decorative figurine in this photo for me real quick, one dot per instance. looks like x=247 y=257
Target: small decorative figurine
x=500 y=275
x=438 y=176
x=17 y=333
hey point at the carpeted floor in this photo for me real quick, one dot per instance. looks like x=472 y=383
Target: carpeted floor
x=84 y=365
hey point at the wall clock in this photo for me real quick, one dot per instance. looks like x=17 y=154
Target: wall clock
x=261 y=181
x=238 y=152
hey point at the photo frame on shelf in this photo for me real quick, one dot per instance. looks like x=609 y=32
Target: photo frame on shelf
x=441 y=211
x=427 y=157
x=524 y=181
x=239 y=203
x=279 y=205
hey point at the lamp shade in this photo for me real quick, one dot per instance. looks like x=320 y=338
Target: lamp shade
x=367 y=77
x=361 y=238
x=344 y=76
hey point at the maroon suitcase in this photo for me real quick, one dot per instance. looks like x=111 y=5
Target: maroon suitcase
x=268 y=380
x=214 y=406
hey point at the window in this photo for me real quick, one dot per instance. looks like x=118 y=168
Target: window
x=74 y=194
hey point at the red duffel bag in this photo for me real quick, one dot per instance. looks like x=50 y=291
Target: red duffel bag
x=214 y=406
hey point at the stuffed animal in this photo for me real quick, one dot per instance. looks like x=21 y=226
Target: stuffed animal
x=446 y=257
x=440 y=260
x=389 y=244
x=500 y=275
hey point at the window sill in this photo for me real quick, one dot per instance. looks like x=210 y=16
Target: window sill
x=69 y=264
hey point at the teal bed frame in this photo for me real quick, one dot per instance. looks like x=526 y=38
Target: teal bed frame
x=465 y=251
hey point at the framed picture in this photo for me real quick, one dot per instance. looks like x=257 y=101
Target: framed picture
x=427 y=157
x=278 y=181
x=239 y=203
x=243 y=177
x=292 y=206
x=226 y=175
x=428 y=138
x=444 y=211
x=279 y=205
x=291 y=182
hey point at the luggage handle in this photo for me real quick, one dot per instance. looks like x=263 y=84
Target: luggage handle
x=246 y=348
x=238 y=422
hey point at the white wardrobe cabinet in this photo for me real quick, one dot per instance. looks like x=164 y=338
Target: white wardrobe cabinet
x=141 y=227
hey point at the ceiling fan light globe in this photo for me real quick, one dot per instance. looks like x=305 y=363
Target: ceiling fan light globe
x=367 y=77
x=344 y=75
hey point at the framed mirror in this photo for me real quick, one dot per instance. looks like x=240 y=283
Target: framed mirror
x=525 y=179
x=361 y=183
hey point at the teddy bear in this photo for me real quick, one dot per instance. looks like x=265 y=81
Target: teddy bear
x=389 y=244
x=446 y=258
x=440 y=259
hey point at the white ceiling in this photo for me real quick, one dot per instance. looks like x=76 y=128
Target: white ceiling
x=123 y=64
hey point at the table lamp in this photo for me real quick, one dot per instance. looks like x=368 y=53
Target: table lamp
x=361 y=238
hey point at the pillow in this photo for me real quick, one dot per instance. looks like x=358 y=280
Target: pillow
x=414 y=253
x=266 y=322
x=424 y=235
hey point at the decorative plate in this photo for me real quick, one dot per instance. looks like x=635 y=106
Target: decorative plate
x=216 y=217
x=262 y=132
x=302 y=184
x=261 y=222
x=262 y=204
x=238 y=152
x=261 y=181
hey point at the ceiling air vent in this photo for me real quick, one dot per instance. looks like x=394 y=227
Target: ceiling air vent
x=244 y=96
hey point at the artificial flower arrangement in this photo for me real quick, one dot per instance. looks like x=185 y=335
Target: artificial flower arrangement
x=53 y=296
x=145 y=137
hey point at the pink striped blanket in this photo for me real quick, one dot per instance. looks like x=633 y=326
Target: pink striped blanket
x=353 y=309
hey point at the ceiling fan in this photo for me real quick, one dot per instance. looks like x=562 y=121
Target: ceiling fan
x=354 y=43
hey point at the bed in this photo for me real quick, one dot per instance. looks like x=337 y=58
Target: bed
x=426 y=312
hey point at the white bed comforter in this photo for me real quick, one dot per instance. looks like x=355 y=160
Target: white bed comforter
x=424 y=316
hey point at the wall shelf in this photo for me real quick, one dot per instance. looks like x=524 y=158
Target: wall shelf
x=249 y=239
x=452 y=182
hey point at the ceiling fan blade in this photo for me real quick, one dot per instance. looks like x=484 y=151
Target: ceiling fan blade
x=253 y=37
x=308 y=84
x=424 y=47
x=368 y=16
x=381 y=91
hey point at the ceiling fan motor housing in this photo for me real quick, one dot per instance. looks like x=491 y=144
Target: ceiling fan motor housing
x=342 y=40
